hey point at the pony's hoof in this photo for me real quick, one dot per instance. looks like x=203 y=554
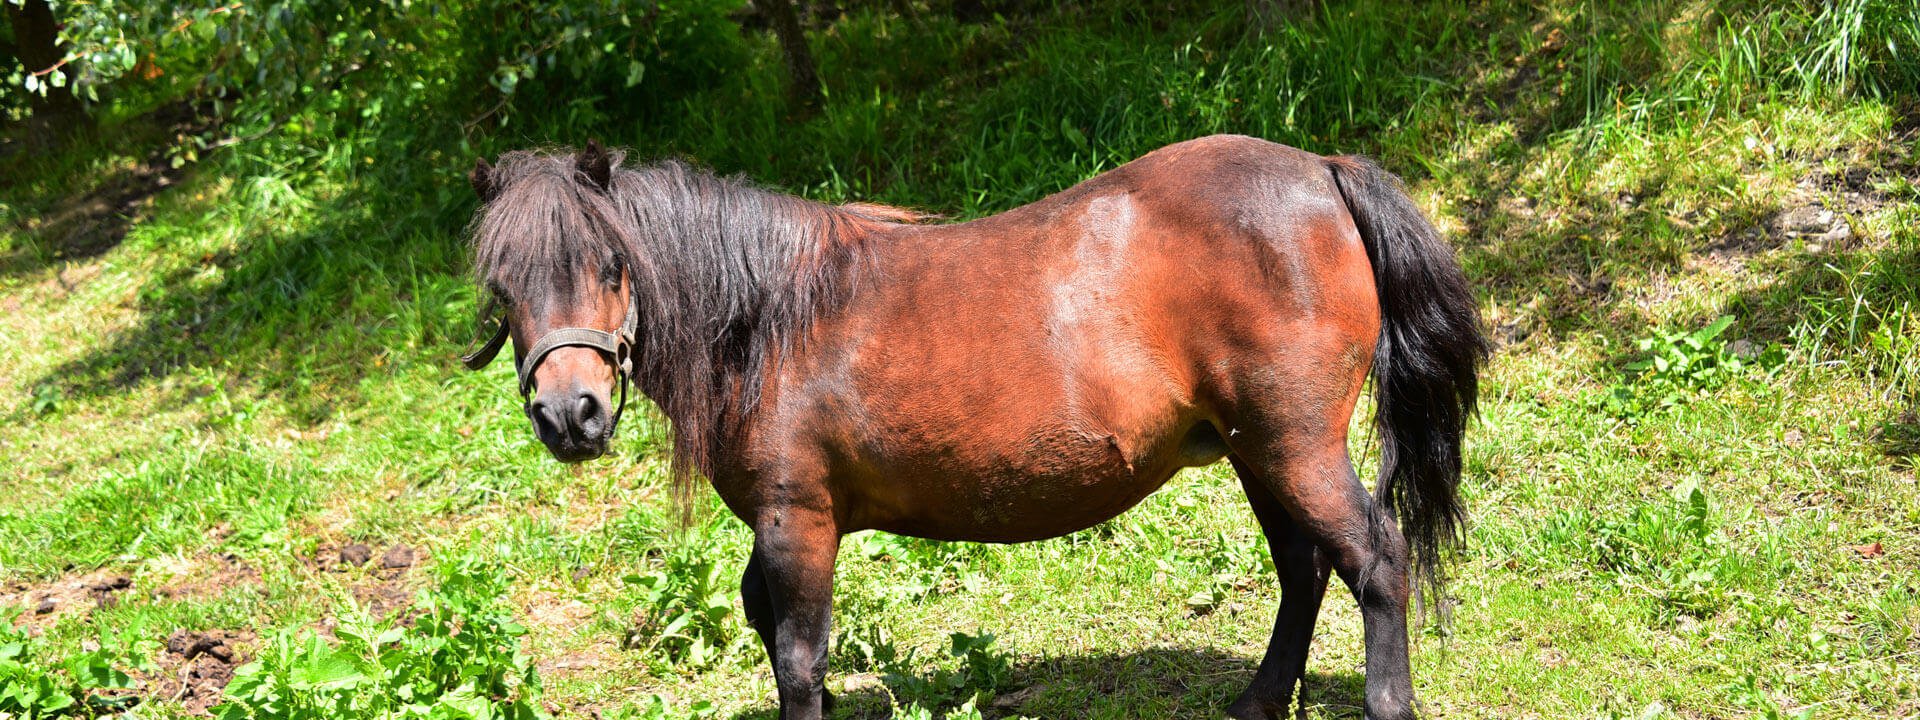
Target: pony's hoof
x=1246 y=708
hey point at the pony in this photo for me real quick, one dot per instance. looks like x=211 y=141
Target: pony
x=835 y=368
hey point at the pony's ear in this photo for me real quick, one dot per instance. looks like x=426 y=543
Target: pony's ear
x=481 y=176
x=597 y=165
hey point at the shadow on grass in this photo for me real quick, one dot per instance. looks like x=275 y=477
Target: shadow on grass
x=300 y=314
x=135 y=164
x=1159 y=683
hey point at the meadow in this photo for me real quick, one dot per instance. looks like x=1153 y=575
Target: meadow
x=244 y=473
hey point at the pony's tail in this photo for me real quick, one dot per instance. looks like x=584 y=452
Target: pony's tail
x=1425 y=367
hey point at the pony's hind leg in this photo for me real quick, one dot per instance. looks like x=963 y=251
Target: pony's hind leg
x=1307 y=470
x=1303 y=574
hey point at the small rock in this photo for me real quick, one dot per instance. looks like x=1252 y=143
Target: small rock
x=1744 y=349
x=1017 y=698
x=190 y=645
x=355 y=554
x=1810 y=219
x=1840 y=232
x=117 y=582
x=862 y=683
x=399 y=556
x=1793 y=437
x=46 y=606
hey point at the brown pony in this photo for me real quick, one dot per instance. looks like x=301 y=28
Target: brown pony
x=1018 y=377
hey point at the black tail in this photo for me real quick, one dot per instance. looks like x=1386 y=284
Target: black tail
x=1425 y=368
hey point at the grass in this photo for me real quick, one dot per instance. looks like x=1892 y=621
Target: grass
x=257 y=372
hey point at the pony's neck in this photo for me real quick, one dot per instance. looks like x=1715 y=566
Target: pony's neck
x=726 y=277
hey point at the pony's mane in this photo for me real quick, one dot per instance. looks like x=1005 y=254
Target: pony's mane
x=532 y=244
x=725 y=276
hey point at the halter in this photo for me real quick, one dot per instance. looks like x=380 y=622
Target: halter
x=619 y=348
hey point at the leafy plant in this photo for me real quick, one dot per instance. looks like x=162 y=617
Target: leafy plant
x=1747 y=692
x=1672 y=551
x=689 y=611
x=916 y=711
x=460 y=658
x=981 y=671
x=33 y=687
x=922 y=567
x=1227 y=567
x=1678 y=366
x=656 y=708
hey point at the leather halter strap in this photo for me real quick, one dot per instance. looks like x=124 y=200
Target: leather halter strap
x=601 y=340
x=618 y=348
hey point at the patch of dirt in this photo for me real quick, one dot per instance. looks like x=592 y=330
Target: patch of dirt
x=1819 y=212
x=563 y=614
x=554 y=615
x=387 y=587
x=195 y=667
x=343 y=558
x=50 y=601
x=211 y=576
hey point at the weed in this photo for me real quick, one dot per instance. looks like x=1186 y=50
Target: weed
x=34 y=685
x=1678 y=366
x=47 y=398
x=657 y=708
x=460 y=657
x=966 y=711
x=981 y=671
x=1227 y=567
x=689 y=613
x=1672 y=551
x=918 y=568
x=1749 y=693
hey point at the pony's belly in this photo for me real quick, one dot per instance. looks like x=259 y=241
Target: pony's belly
x=1061 y=486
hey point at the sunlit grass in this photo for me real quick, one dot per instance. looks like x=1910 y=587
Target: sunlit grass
x=262 y=372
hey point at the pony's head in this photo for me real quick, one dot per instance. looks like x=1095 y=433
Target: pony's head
x=547 y=253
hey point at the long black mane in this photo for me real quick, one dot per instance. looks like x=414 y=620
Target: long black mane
x=724 y=275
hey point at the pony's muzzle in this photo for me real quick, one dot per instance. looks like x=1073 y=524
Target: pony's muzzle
x=574 y=422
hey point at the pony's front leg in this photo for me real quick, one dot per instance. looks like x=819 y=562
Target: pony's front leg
x=758 y=601
x=795 y=549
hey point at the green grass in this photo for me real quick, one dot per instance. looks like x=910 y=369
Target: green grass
x=262 y=371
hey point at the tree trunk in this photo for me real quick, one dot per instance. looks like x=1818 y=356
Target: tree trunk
x=803 y=89
x=36 y=42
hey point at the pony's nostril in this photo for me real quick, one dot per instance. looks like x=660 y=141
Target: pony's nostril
x=589 y=415
x=544 y=422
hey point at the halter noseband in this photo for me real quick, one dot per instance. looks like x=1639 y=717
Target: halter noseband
x=617 y=347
